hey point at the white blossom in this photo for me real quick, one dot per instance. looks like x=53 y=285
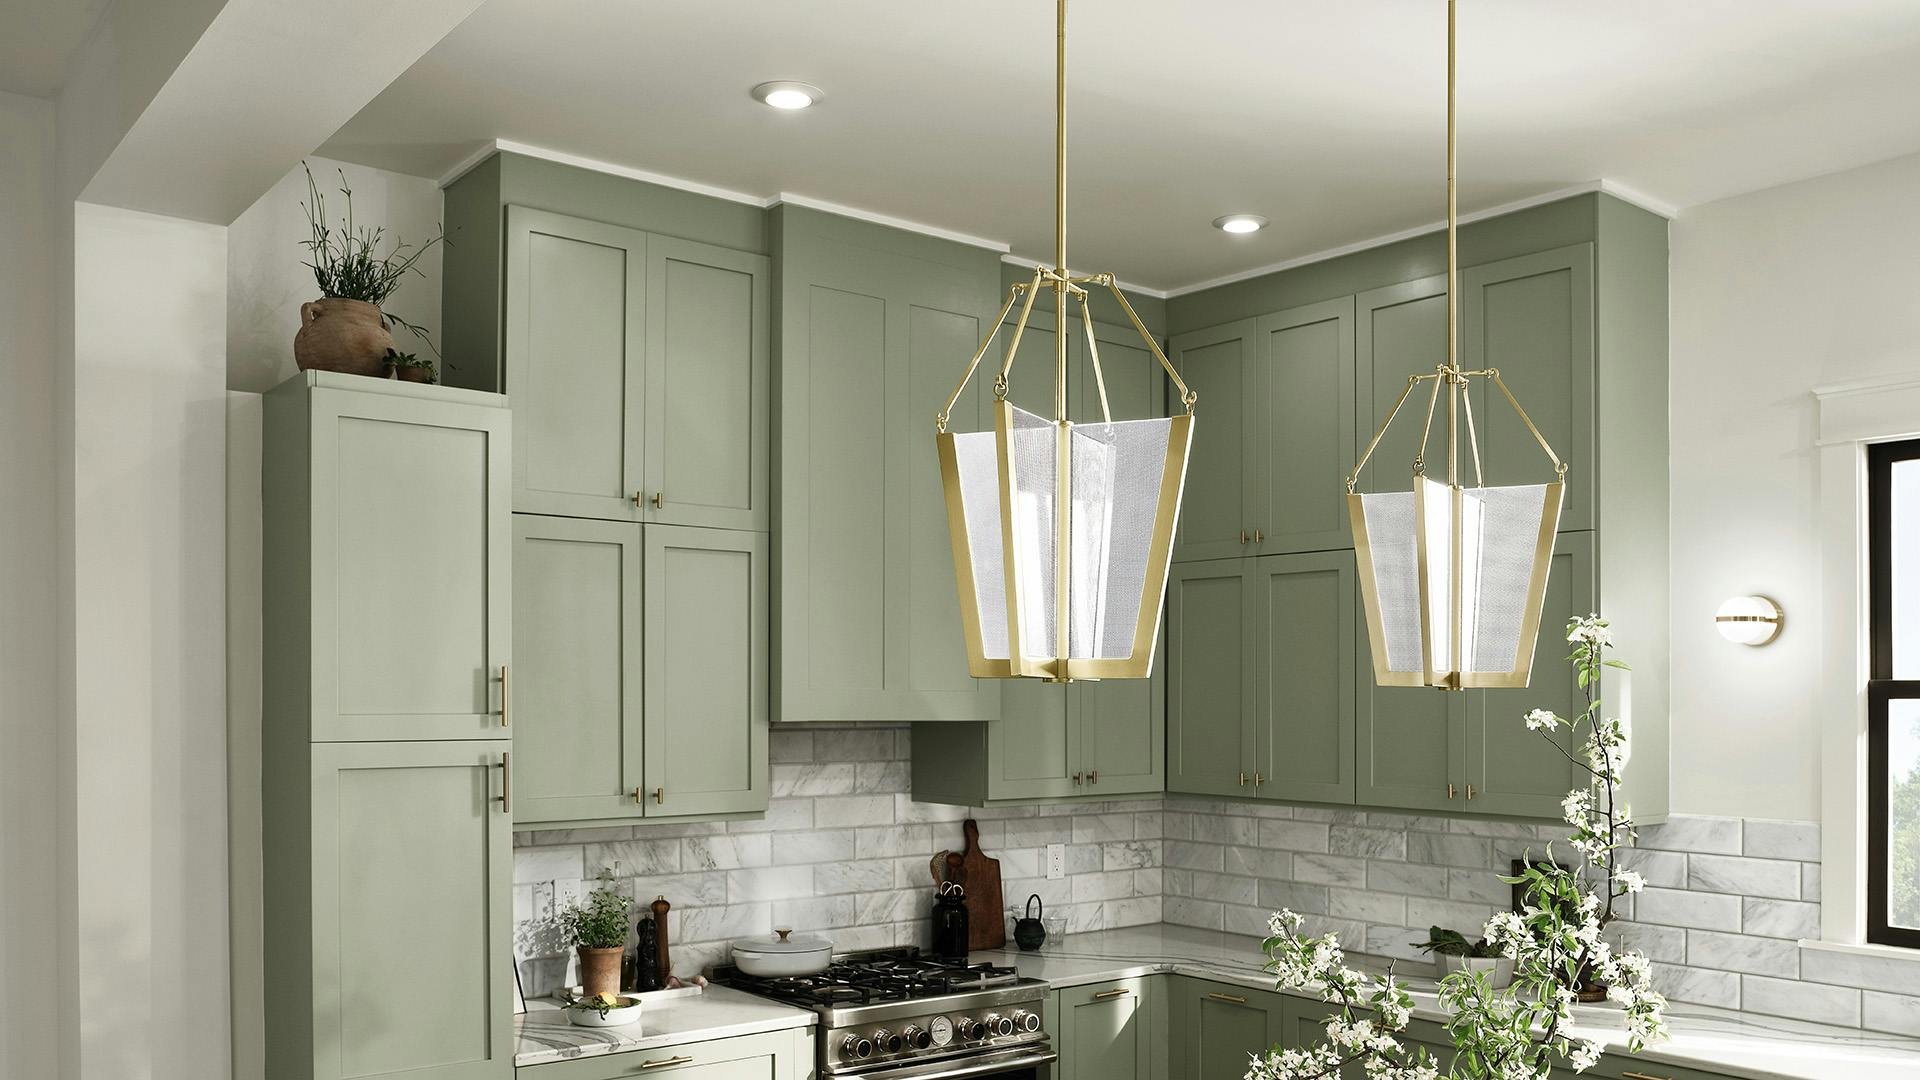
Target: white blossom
x=1585 y=1055
x=1630 y=880
x=1542 y=720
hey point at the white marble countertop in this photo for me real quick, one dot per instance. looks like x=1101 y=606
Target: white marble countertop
x=1717 y=1040
x=543 y=1033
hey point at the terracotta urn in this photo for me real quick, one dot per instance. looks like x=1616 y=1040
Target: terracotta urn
x=341 y=335
x=599 y=970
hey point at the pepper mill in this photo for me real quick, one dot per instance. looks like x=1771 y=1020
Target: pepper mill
x=646 y=969
x=663 y=966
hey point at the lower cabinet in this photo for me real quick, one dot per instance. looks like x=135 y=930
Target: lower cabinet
x=1305 y=1025
x=641 y=687
x=777 y=1055
x=1099 y=739
x=1219 y=1027
x=383 y=861
x=1112 y=1030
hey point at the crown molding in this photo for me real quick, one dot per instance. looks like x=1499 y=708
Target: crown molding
x=792 y=199
x=1126 y=286
x=559 y=157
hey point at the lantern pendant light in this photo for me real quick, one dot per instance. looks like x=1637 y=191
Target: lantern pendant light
x=1453 y=577
x=1062 y=533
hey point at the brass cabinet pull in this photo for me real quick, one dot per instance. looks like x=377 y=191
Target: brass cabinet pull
x=1076 y=779
x=1104 y=994
x=1228 y=998
x=1469 y=791
x=659 y=795
x=681 y=1059
x=1259 y=536
x=505 y=701
x=659 y=499
x=506 y=783
x=1642 y=1076
x=1093 y=777
x=1243 y=779
x=1449 y=791
x=638 y=797
x=1243 y=536
x=638 y=499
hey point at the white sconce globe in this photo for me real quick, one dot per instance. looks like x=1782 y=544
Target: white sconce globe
x=1749 y=620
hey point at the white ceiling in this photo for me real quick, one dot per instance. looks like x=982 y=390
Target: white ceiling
x=39 y=38
x=1326 y=116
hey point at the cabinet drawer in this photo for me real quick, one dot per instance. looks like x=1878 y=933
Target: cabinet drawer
x=777 y=1055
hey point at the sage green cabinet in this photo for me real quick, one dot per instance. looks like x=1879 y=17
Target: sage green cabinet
x=396 y=830
x=1260 y=686
x=1305 y=1022
x=642 y=688
x=1217 y=1027
x=875 y=328
x=1112 y=1030
x=577 y=691
x=1469 y=751
x=1098 y=739
x=388 y=553
x=774 y=1055
x=638 y=365
x=706 y=665
x=1400 y=330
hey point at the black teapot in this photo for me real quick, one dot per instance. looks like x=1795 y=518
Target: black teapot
x=1028 y=932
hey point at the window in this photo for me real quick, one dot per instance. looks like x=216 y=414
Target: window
x=1893 y=694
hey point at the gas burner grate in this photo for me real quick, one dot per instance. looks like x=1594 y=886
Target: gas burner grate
x=882 y=975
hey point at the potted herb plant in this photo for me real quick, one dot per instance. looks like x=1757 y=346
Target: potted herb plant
x=346 y=329
x=1457 y=953
x=598 y=929
x=407 y=367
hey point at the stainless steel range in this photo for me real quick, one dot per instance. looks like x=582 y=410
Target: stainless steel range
x=893 y=1014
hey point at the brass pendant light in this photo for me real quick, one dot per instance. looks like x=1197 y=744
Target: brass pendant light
x=1454 y=577
x=1062 y=533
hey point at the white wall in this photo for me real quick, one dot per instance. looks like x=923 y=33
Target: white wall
x=267 y=283
x=1773 y=293
x=27 y=573
x=147 y=786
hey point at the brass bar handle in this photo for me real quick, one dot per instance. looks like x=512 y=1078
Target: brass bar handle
x=1076 y=779
x=506 y=783
x=1259 y=536
x=659 y=500
x=1643 y=1076
x=1243 y=536
x=1232 y=998
x=1104 y=994
x=506 y=702
x=1093 y=777
x=638 y=499
x=638 y=796
x=1469 y=791
x=680 y=1059
x=1449 y=791
x=1243 y=779
x=659 y=796
x=1258 y=779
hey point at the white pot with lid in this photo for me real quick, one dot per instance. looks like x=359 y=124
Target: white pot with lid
x=782 y=954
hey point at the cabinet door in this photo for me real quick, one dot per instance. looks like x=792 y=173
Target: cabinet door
x=1399 y=330
x=1304 y=661
x=707 y=392
x=1217 y=511
x=1210 y=679
x=1511 y=770
x=778 y=1055
x=577 y=703
x=412 y=886
x=1219 y=1026
x=1137 y=386
x=1108 y=1031
x=1033 y=751
x=1306 y=369
x=575 y=364
x=1123 y=734
x=1532 y=318
x=706 y=663
x=1409 y=742
x=410 y=574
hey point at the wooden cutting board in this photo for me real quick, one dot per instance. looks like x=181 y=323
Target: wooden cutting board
x=986 y=915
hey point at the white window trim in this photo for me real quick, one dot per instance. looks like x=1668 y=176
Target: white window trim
x=1851 y=416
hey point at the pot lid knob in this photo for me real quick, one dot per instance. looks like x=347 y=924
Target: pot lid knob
x=783 y=931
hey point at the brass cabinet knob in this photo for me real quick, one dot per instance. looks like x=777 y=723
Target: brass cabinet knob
x=659 y=795
x=638 y=499
x=637 y=797
x=1076 y=779
x=659 y=499
x=1093 y=777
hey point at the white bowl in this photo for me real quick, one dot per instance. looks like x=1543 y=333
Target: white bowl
x=627 y=1012
x=1498 y=968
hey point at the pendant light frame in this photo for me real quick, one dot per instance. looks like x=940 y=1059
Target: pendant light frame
x=1450 y=506
x=1053 y=661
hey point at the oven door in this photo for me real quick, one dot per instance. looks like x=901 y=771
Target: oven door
x=1028 y=1062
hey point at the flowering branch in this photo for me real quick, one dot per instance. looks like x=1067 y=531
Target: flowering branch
x=1517 y=1032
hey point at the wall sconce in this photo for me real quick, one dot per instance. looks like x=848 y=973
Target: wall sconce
x=1749 y=620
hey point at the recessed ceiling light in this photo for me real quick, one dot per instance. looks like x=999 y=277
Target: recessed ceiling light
x=1240 y=223
x=786 y=94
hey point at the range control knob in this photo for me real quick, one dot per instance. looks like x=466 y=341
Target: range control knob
x=887 y=1042
x=917 y=1038
x=856 y=1047
x=999 y=1025
x=1026 y=1021
x=969 y=1028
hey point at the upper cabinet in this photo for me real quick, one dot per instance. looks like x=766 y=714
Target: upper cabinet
x=875 y=328
x=638 y=365
x=1217 y=507
x=388 y=501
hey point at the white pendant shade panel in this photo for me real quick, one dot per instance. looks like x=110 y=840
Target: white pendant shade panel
x=1062 y=532
x=1453 y=576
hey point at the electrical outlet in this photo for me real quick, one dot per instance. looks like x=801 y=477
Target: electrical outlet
x=566 y=894
x=1056 y=861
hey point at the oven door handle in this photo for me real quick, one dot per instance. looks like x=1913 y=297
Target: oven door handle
x=956 y=1068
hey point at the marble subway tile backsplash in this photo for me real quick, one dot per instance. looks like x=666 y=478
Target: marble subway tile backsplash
x=842 y=852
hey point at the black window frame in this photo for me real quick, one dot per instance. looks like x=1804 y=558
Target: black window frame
x=1882 y=687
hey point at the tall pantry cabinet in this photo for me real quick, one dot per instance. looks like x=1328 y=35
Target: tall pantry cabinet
x=386 y=776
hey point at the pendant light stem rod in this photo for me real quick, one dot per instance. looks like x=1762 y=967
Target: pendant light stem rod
x=1060 y=212
x=1453 y=208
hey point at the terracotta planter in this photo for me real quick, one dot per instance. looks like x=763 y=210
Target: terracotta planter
x=599 y=970
x=413 y=374
x=341 y=335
